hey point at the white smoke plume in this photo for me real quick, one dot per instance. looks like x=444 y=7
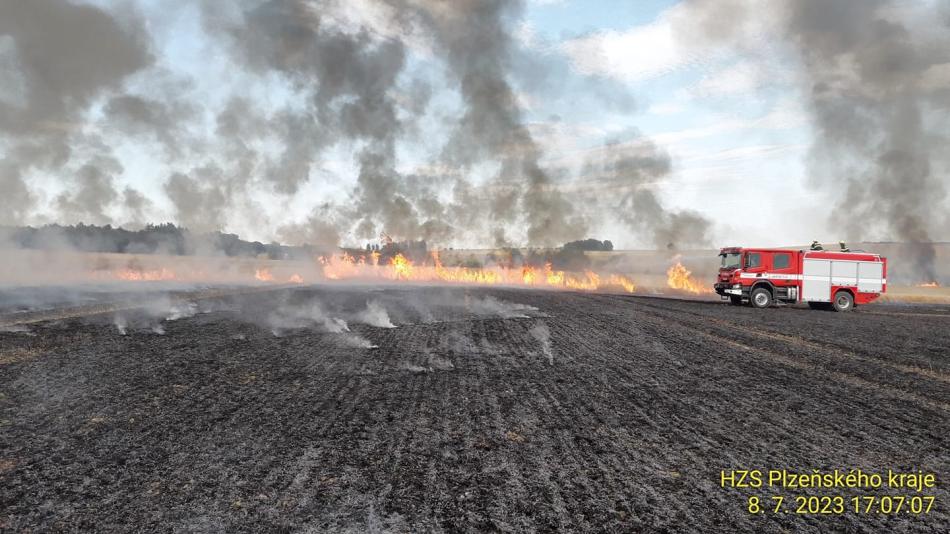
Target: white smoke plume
x=542 y=334
x=375 y=315
x=312 y=315
x=149 y=316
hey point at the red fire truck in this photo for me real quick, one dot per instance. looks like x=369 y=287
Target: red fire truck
x=824 y=279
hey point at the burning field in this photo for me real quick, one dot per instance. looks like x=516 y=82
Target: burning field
x=385 y=408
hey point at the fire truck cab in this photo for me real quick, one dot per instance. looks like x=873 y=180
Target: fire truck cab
x=822 y=279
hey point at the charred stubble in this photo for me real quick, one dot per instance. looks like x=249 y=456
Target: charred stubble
x=459 y=421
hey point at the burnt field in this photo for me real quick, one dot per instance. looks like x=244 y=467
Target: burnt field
x=434 y=409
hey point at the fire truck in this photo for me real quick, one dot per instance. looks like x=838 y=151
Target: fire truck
x=838 y=280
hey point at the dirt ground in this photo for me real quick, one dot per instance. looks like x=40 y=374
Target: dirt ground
x=481 y=410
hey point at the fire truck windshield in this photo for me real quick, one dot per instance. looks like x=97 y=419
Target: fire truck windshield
x=729 y=261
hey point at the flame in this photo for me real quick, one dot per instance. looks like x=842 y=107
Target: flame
x=139 y=275
x=528 y=275
x=929 y=284
x=400 y=268
x=264 y=275
x=678 y=277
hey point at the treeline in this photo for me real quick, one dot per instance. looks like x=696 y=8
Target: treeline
x=152 y=239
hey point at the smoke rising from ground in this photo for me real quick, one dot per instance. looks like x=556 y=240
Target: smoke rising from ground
x=151 y=316
x=542 y=334
x=375 y=315
x=79 y=79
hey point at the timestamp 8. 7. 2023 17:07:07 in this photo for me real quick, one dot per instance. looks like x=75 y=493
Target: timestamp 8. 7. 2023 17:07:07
x=838 y=504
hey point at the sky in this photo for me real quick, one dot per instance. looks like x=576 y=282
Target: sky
x=649 y=123
x=725 y=124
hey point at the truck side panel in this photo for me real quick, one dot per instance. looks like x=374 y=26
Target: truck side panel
x=870 y=277
x=816 y=280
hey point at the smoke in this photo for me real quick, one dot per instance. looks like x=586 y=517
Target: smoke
x=16 y=199
x=136 y=205
x=199 y=199
x=479 y=49
x=631 y=170
x=150 y=119
x=375 y=315
x=869 y=102
x=79 y=82
x=151 y=315
x=308 y=315
x=542 y=334
x=92 y=192
x=311 y=314
x=60 y=57
x=874 y=73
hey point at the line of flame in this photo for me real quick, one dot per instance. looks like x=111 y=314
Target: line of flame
x=400 y=268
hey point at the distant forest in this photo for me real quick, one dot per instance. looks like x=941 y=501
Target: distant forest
x=153 y=239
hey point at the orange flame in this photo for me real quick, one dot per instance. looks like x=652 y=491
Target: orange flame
x=400 y=268
x=929 y=284
x=679 y=277
x=138 y=275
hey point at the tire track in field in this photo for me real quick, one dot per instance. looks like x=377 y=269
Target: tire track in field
x=728 y=364
x=929 y=373
x=638 y=466
x=852 y=333
x=802 y=362
x=820 y=347
x=627 y=392
x=876 y=425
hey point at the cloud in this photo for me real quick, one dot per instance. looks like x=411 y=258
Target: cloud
x=668 y=44
x=638 y=54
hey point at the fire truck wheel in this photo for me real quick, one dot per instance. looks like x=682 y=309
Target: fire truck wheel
x=843 y=302
x=761 y=298
x=735 y=301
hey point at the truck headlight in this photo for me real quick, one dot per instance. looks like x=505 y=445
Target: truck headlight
x=736 y=286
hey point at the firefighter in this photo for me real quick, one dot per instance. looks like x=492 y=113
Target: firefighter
x=815 y=245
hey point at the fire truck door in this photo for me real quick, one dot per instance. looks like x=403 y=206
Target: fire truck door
x=816 y=280
x=783 y=272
